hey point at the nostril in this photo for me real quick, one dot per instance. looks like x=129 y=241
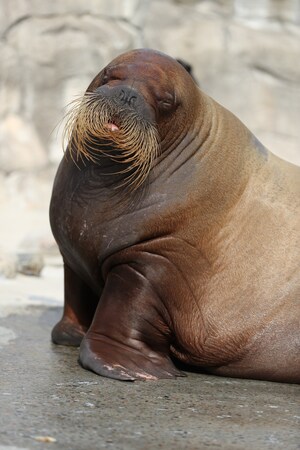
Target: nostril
x=122 y=95
x=132 y=100
x=126 y=97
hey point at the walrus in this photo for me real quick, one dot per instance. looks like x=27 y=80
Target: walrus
x=179 y=232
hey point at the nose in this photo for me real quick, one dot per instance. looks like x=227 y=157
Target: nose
x=126 y=95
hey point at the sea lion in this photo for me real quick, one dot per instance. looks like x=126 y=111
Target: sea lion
x=179 y=232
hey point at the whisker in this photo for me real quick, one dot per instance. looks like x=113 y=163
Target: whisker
x=135 y=145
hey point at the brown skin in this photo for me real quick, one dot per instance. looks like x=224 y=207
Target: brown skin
x=201 y=262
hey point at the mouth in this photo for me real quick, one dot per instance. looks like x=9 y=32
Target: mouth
x=100 y=127
x=111 y=127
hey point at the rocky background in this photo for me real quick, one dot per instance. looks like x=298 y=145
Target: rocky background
x=245 y=54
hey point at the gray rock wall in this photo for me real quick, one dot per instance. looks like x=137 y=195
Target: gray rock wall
x=245 y=54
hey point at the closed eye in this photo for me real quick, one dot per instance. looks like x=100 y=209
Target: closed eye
x=166 y=103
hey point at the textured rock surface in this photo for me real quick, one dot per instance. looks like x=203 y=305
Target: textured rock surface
x=20 y=147
x=30 y=263
x=45 y=392
x=244 y=54
x=8 y=265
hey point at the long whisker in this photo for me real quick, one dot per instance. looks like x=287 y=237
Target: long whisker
x=135 y=144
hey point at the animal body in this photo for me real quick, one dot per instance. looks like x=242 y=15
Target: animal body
x=179 y=231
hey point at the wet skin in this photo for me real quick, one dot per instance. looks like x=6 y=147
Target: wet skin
x=201 y=262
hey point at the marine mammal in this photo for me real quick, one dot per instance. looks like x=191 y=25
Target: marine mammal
x=179 y=232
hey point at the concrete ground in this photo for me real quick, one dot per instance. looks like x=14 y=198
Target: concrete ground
x=47 y=401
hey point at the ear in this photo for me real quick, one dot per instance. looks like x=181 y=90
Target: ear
x=188 y=68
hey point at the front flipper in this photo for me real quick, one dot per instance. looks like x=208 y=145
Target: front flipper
x=112 y=359
x=129 y=338
x=79 y=307
x=68 y=332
